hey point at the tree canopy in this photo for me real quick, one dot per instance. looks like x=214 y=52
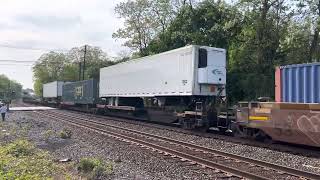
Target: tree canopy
x=54 y=66
x=257 y=34
x=9 y=89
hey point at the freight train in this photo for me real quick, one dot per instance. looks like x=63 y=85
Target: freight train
x=186 y=86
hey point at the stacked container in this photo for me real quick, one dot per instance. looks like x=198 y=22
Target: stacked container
x=80 y=92
x=299 y=83
x=52 y=89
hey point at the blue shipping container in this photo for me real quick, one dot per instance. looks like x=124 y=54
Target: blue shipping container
x=300 y=83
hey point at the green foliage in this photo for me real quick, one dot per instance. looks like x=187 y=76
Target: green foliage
x=258 y=35
x=94 y=168
x=49 y=67
x=143 y=20
x=252 y=86
x=65 y=133
x=20 y=148
x=55 y=66
x=7 y=87
x=209 y=24
x=47 y=135
x=20 y=160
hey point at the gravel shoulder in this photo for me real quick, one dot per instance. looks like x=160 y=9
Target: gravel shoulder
x=129 y=161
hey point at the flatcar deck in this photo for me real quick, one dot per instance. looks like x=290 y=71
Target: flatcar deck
x=35 y=108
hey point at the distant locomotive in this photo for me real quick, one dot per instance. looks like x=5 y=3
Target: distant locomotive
x=185 y=86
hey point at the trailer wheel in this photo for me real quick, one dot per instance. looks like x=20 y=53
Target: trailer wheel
x=187 y=124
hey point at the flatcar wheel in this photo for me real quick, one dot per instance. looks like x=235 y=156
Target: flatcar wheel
x=187 y=124
x=238 y=131
x=204 y=128
x=266 y=139
x=263 y=137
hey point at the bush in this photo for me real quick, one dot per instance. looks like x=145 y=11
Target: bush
x=20 y=148
x=47 y=135
x=65 y=134
x=94 y=168
x=21 y=160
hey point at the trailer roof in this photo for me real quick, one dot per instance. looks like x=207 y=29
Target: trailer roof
x=166 y=52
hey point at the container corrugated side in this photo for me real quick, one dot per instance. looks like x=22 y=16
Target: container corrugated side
x=80 y=92
x=278 y=84
x=171 y=73
x=165 y=74
x=300 y=83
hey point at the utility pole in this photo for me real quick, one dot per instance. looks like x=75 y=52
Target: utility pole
x=84 y=61
x=80 y=71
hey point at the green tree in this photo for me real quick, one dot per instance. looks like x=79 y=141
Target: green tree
x=95 y=59
x=9 y=89
x=258 y=35
x=295 y=45
x=143 y=20
x=309 y=11
x=55 y=66
x=49 y=67
x=211 y=24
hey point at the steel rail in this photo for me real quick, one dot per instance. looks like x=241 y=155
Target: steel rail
x=287 y=170
x=192 y=158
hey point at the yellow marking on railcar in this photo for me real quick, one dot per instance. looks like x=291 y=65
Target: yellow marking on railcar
x=258 y=118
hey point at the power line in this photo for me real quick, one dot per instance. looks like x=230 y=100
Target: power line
x=15 y=65
x=5 y=45
x=16 y=61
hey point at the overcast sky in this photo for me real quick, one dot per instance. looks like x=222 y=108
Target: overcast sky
x=42 y=25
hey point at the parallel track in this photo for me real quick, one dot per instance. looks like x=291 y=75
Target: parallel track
x=278 y=146
x=237 y=165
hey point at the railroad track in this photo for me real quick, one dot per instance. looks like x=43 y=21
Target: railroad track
x=277 y=146
x=236 y=165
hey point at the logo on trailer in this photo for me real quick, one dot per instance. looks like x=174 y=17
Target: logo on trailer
x=217 y=72
x=79 y=91
x=184 y=82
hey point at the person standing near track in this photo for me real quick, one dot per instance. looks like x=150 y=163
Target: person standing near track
x=3 y=111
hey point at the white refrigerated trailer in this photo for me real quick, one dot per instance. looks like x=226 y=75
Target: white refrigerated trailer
x=187 y=71
x=170 y=86
x=52 y=91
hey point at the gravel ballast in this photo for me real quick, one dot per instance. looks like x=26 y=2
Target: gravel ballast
x=300 y=162
x=129 y=161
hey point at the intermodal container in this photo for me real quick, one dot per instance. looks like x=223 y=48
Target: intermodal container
x=299 y=83
x=52 y=89
x=187 y=71
x=80 y=92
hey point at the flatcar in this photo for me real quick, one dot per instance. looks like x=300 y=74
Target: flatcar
x=297 y=123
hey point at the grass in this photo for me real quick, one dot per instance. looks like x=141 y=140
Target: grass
x=94 y=168
x=47 y=135
x=21 y=160
x=65 y=133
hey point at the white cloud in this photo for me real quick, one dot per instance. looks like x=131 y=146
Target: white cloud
x=59 y=24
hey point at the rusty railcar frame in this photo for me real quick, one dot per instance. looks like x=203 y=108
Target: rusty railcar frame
x=288 y=122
